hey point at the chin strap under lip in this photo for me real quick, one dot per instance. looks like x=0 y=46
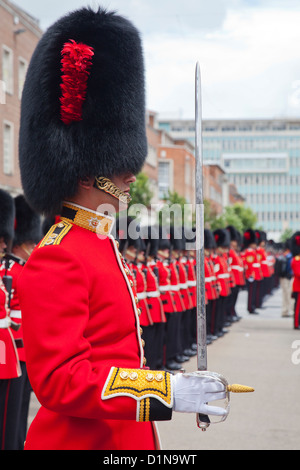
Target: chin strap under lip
x=105 y=184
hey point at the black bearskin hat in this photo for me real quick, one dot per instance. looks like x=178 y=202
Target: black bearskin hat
x=295 y=244
x=260 y=236
x=209 y=240
x=7 y=216
x=176 y=238
x=233 y=233
x=249 y=238
x=128 y=233
x=27 y=223
x=222 y=237
x=83 y=107
x=150 y=237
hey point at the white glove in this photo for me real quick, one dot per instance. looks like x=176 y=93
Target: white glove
x=193 y=392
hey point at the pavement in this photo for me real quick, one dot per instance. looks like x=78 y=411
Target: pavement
x=260 y=351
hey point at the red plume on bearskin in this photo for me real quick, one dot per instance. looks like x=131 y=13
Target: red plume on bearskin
x=76 y=63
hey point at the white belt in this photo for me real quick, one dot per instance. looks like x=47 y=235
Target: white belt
x=141 y=295
x=5 y=322
x=175 y=287
x=223 y=276
x=16 y=314
x=209 y=279
x=237 y=267
x=256 y=265
x=183 y=285
x=264 y=262
x=165 y=288
x=192 y=283
x=153 y=294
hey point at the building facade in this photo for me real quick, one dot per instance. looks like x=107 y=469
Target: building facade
x=19 y=34
x=261 y=158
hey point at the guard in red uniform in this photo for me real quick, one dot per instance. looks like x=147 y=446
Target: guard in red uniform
x=10 y=369
x=27 y=234
x=265 y=268
x=295 y=265
x=223 y=276
x=237 y=270
x=211 y=286
x=252 y=268
x=82 y=140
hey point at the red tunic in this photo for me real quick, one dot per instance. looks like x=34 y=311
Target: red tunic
x=183 y=285
x=237 y=267
x=85 y=357
x=165 y=287
x=262 y=259
x=222 y=274
x=140 y=286
x=14 y=269
x=252 y=265
x=153 y=295
x=295 y=265
x=174 y=278
x=9 y=361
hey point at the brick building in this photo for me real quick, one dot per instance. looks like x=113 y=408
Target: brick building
x=19 y=34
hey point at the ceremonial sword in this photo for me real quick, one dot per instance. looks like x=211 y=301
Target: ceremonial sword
x=203 y=421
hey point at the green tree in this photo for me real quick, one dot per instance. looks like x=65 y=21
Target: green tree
x=238 y=215
x=140 y=191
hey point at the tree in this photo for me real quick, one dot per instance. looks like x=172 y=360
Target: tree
x=140 y=191
x=238 y=215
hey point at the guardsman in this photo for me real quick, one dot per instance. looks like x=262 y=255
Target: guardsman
x=237 y=269
x=10 y=369
x=172 y=333
x=295 y=265
x=188 y=259
x=222 y=240
x=27 y=234
x=131 y=250
x=252 y=268
x=187 y=301
x=211 y=285
x=82 y=140
x=265 y=268
x=154 y=300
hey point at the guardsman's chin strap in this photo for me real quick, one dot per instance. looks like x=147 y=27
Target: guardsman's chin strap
x=105 y=184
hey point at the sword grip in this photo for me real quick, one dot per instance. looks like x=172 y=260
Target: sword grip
x=203 y=421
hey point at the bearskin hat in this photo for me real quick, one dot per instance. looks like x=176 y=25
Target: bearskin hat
x=128 y=233
x=209 y=240
x=176 y=238
x=295 y=244
x=7 y=216
x=249 y=238
x=222 y=237
x=28 y=226
x=83 y=107
x=150 y=237
x=260 y=236
x=233 y=233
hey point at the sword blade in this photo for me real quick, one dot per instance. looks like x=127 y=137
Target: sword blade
x=201 y=310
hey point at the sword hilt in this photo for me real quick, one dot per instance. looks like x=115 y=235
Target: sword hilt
x=203 y=421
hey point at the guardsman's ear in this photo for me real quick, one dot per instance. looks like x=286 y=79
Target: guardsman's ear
x=86 y=182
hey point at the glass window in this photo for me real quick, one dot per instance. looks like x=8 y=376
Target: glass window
x=8 y=69
x=8 y=148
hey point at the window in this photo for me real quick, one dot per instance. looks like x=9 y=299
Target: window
x=8 y=148
x=22 y=75
x=163 y=179
x=7 y=69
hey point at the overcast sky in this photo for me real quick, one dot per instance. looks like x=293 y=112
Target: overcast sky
x=248 y=50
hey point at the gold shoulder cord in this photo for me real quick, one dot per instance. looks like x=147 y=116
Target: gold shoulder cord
x=109 y=187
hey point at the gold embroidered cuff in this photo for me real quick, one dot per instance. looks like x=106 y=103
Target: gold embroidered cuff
x=151 y=389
